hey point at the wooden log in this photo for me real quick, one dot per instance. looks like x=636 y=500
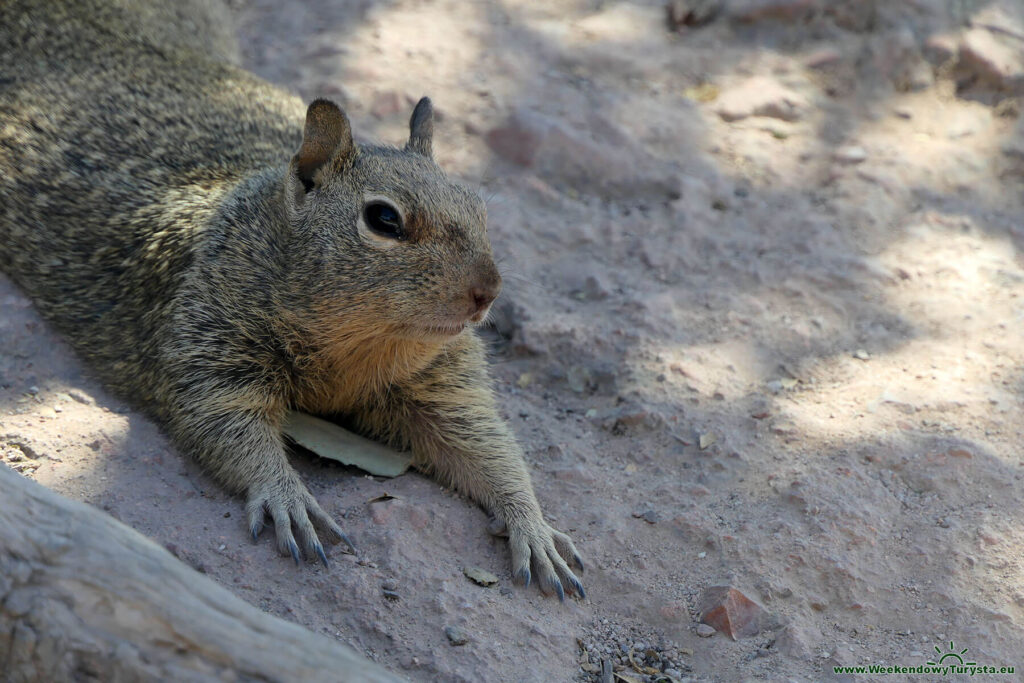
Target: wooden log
x=85 y=598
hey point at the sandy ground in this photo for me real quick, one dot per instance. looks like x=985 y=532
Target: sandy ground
x=761 y=328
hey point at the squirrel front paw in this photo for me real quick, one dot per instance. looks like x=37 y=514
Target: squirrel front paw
x=534 y=542
x=290 y=504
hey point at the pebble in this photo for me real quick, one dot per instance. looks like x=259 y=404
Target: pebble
x=81 y=397
x=456 y=636
x=760 y=96
x=579 y=378
x=705 y=631
x=861 y=354
x=518 y=140
x=692 y=13
x=851 y=154
x=993 y=60
x=386 y=104
x=649 y=516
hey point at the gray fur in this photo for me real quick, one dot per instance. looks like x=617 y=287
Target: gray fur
x=165 y=211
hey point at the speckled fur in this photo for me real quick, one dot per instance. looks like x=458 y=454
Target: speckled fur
x=151 y=206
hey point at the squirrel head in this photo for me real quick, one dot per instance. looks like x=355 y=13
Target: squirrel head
x=380 y=234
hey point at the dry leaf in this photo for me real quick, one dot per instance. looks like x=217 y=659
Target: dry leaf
x=328 y=440
x=480 y=576
x=639 y=667
x=705 y=92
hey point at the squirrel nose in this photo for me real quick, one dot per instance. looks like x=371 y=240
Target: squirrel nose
x=482 y=297
x=484 y=290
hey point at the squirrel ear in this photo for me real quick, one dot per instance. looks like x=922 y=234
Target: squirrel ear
x=421 y=128
x=327 y=135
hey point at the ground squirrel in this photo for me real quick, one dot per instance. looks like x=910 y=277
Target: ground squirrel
x=154 y=207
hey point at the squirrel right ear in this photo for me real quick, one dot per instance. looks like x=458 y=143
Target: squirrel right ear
x=327 y=136
x=421 y=128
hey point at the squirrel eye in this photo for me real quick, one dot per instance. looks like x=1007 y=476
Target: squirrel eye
x=384 y=220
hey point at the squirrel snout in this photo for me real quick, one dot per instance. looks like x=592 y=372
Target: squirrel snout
x=482 y=298
x=484 y=291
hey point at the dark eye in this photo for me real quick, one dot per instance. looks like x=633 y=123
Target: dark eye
x=384 y=220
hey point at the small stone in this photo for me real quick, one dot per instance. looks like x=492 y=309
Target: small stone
x=823 y=58
x=705 y=631
x=389 y=585
x=861 y=354
x=692 y=13
x=649 y=516
x=579 y=378
x=797 y=642
x=386 y=104
x=706 y=440
x=81 y=397
x=590 y=668
x=456 y=636
x=760 y=96
x=851 y=154
x=480 y=576
x=674 y=673
x=518 y=140
x=993 y=60
x=595 y=288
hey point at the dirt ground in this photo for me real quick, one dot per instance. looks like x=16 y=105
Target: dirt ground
x=761 y=328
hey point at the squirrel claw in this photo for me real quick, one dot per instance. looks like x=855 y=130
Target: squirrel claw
x=295 y=552
x=322 y=555
x=344 y=539
x=523 y=576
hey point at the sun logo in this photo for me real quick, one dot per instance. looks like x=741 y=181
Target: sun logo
x=957 y=655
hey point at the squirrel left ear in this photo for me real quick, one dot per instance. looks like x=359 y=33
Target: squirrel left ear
x=327 y=136
x=421 y=128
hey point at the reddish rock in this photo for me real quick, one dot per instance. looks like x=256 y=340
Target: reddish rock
x=386 y=104
x=518 y=140
x=731 y=612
